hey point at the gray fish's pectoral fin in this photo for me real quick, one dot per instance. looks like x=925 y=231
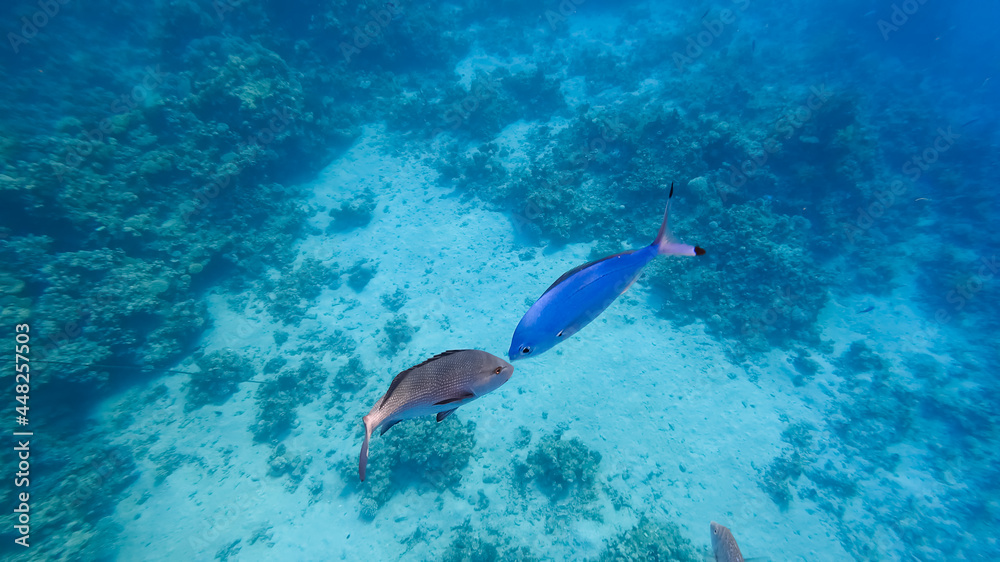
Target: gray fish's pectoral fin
x=459 y=398
x=446 y=413
x=388 y=425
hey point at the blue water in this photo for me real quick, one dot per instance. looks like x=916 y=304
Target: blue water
x=225 y=226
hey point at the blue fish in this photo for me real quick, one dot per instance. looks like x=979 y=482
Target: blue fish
x=582 y=293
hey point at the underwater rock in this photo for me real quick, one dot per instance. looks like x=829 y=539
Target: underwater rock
x=356 y=213
x=359 y=274
x=805 y=367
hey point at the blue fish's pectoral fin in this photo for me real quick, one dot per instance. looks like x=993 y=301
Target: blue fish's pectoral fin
x=388 y=425
x=446 y=413
x=458 y=398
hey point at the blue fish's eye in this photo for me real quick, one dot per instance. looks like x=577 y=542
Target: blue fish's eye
x=525 y=350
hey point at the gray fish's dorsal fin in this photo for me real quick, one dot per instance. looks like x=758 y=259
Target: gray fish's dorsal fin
x=399 y=378
x=446 y=413
x=580 y=268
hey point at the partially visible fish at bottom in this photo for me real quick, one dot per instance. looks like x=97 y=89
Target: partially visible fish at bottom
x=724 y=544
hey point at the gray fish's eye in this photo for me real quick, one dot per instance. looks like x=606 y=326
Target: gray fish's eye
x=498 y=370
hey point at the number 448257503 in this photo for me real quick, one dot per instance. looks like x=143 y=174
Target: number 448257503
x=23 y=377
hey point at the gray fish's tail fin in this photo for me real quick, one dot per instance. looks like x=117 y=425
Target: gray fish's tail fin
x=666 y=244
x=363 y=461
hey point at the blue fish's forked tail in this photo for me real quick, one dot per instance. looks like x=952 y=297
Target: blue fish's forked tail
x=666 y=244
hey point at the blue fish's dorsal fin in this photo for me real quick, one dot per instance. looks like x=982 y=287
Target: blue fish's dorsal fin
x=399 y=378
x=580 y=268
x=664 y=233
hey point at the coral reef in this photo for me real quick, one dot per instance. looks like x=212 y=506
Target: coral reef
x=562 y=469
x=417 y=453
x=351 y=377
x=485 y=545
x=650 y=540
x=393 y=302
x=282 y=463
x=398 y=332
x=219 y=376
x=294 y=292
x=278 y=399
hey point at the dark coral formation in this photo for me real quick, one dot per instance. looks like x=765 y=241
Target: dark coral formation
x=393 y=302
x=562 y=469
x=359 y=274
x=219 y=376
x=355 y=213
x=420 y=453
x=488 y=545
x=278 y=399
x=351 y=377
x=398 y=333
x=650 y=540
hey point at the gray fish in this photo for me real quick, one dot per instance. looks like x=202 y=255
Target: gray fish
x=724 y=545
x=437 y=386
